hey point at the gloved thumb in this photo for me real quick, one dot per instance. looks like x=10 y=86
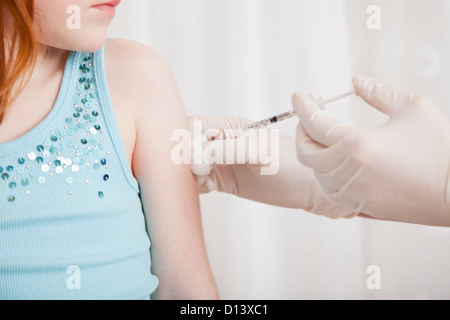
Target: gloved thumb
x=319 y=126
x=382 y=97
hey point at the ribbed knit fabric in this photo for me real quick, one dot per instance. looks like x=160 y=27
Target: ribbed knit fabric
x=71 y=220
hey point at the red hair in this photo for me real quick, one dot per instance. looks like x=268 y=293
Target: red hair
x=18 y=49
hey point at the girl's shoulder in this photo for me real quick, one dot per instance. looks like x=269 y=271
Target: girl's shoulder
x=132 y=70
x=133 y=52
x=143 y=91
x=135 y=72
x=133 y=62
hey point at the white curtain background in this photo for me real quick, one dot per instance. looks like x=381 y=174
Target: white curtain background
x=247 y=57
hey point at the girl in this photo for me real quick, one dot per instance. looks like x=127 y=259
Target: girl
x=85 y=167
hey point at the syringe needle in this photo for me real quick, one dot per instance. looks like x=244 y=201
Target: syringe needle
x=346 y=94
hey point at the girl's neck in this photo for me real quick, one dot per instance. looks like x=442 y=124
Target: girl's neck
x=49 y=60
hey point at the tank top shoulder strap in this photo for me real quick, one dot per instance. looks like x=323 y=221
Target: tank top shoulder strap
x=94 y=100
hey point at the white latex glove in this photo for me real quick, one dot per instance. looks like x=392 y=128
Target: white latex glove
x=398 y=171
x=294 y=185
x=217 y=128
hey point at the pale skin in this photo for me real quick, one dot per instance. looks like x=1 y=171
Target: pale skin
x=148 y=108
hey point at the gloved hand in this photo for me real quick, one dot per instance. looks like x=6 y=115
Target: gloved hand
x=293 y=186
x=215 y=129
x=399 y=171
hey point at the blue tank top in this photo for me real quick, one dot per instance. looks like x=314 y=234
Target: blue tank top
x=71 y=221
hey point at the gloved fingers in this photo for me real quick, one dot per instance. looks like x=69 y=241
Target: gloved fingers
x=384 y=98
x=351 y=207
x=212 y=134
x=206 y=185
x=337 y=212
x=316 y=156
x=200 y=180
x=307 y=149
x=218 y=127
x=201 y=169
x=338 y=178
x=330 y=193
x=231 y=126
x=346 y=194
x=261 y=147
x=319 y=126
x=321 y=204
x=206 y=125
x=245 y=149
x=352 y=215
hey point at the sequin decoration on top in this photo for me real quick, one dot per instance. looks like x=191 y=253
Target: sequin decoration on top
x=80 y=137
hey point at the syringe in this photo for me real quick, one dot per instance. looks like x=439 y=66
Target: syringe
x=286 y=115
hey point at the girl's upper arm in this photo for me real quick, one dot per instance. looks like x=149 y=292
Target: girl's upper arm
x=168 y=191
